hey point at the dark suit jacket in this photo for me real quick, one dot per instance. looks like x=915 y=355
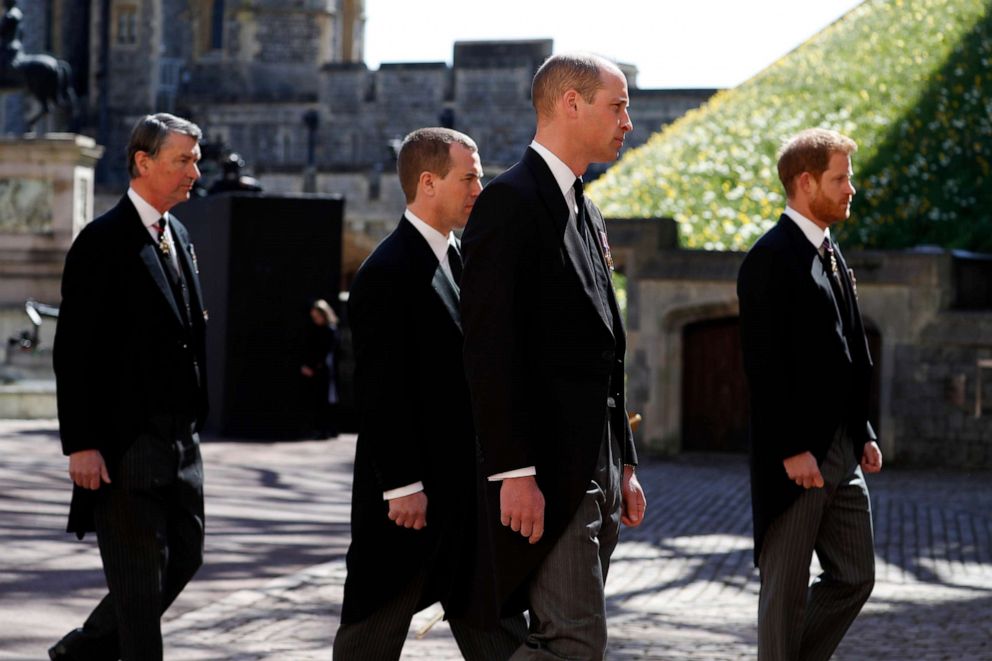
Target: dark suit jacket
x=122 y=353
x=541 y=360
x=808 y=371
x=415 y=426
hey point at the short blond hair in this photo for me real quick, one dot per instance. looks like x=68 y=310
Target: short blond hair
x=810 y=151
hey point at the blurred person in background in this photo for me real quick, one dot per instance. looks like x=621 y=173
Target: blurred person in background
x=319 y=369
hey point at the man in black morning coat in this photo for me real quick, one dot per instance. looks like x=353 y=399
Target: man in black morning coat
x=132 y=394
x=809 y=375
x=544 y=356
x=414 y=490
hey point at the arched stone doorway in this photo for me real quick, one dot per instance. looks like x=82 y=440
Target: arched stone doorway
x=714 y=389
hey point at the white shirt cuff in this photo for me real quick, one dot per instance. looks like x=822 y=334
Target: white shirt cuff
x=520 y=472
x=403 y=491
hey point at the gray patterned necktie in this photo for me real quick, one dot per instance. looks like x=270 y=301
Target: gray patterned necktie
x=830 y=265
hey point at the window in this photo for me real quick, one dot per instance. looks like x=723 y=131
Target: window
x=126 y=25
x=208 y=26
x=217 y=25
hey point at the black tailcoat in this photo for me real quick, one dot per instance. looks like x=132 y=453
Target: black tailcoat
x=415 y=426
x=122 y=352
x=543 y=354
x=806 y=359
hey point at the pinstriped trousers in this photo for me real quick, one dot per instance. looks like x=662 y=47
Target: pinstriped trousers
x=567 y=592
x=803 y=621
x=380 y=636
x=150 y=530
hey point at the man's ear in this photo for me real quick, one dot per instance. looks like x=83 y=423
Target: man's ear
x=570 y=102
x=141 y=161
x=426 y=182
x=807 y=183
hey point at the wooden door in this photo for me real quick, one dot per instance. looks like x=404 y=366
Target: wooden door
x=714 y=391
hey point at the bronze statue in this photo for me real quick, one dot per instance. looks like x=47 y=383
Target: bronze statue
x=48 y=79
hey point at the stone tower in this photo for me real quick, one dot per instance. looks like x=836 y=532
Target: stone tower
x=185 y=56
x=350 y=33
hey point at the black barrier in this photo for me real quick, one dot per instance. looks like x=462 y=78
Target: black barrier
x=263 y=260
x=972 y=281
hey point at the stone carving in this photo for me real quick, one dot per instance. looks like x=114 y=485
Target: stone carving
x=25 y=205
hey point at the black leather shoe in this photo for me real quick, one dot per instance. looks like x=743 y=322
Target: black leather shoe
x=83 y=645
x=61 y=651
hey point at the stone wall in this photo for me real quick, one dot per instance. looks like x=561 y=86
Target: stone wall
x=278 y=61
x=485 y=93
x=934 y=393
x=928 y=351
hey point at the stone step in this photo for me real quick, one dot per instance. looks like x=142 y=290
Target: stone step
x=28 y=400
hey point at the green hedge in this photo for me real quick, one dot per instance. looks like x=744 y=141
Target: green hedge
x=909 y=80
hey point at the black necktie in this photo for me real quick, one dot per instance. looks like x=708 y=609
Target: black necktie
x=455 y=264
x=580 y=203
x=595 y=257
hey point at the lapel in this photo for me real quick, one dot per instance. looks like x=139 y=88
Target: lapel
x=809 y=259
x=597 y=229
x=187 y=261
x=448 y=292
x=425 y=261
x=148 y=253
x=844 y=304
x=551 y=195
x=857 y=323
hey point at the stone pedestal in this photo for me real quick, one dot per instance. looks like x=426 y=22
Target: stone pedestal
x=46 y=197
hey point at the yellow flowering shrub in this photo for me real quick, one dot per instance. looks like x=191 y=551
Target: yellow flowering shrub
x=909 y=80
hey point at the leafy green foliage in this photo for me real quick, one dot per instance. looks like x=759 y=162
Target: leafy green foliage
x=909 y=80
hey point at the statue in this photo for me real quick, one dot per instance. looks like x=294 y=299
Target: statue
x=48 y=79
x=232 y=180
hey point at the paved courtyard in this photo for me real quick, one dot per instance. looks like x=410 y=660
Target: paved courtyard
x=681 y=586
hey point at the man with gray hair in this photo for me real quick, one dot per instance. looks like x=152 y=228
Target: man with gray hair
x=544 y=356
x=809 y=375
x=129 y=369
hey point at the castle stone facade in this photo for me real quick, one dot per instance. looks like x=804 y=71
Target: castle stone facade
x=283 y=83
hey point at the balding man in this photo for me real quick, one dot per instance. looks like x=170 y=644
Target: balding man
x=544 y=351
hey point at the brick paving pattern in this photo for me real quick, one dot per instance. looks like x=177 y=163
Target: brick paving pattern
x=680 y=587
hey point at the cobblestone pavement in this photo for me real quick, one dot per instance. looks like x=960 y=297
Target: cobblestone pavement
x=680 y=587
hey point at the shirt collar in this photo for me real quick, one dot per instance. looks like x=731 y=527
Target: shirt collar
x=149 y=214
x=813 y=232
x=437 y=241
x=561 y=172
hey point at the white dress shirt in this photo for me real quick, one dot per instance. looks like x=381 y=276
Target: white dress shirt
x=438 y=242
x=149 y=218
x=813 y=232
x=562 y=174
